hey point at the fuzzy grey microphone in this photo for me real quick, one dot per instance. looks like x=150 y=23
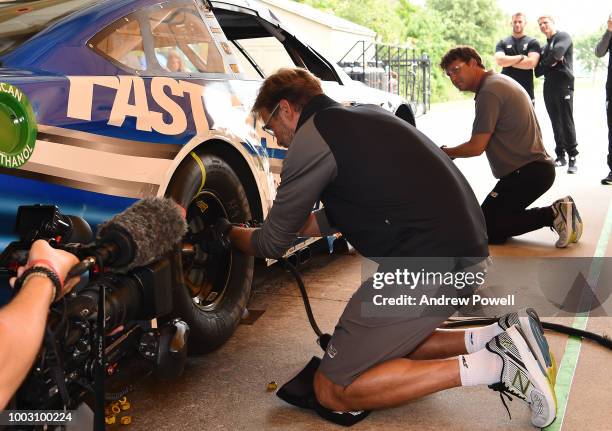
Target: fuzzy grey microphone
x=141 y=234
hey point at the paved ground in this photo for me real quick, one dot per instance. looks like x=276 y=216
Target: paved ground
x=226 y=390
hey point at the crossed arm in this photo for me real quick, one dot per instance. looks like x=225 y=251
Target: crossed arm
x=518 y=61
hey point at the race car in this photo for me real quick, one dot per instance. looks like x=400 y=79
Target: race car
x=106 y=102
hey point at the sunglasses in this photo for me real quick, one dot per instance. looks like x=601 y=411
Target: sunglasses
x=266 y=126
x=454 y=70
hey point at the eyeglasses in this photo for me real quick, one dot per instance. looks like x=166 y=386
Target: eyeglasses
x=266 y=126
x=454 y=70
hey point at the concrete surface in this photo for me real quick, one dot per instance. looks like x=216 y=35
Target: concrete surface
x=226 y=390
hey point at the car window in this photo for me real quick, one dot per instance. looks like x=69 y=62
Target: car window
x=123 y=43
x=182 y=42
x=268 y=46
x=267 y=52
x=246 y=68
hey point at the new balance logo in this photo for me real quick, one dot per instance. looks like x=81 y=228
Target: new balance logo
x=523 y=382
x=331 y=351
x=506 y=344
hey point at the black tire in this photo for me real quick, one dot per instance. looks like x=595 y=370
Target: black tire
x=217 y=287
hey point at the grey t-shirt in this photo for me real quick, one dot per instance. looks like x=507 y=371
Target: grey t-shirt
x=504 y=109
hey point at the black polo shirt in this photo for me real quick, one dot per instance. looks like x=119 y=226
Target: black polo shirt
x=520 y=46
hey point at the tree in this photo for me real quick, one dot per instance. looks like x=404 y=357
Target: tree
x=585 y=51
x=432 y=28
x=424 y=29
x=478 y=23
x=378 y=15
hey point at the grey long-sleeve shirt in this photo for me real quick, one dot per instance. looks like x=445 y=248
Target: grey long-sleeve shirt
x=604 y=44
x=308 y=168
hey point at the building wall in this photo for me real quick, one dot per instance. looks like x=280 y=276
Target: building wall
x=331 y=42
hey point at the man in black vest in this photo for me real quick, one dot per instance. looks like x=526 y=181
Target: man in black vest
x=605 y=45
x=393 y=194
x=519 y=54
x=556 y=64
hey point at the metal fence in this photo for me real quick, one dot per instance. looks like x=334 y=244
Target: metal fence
x=391 y=68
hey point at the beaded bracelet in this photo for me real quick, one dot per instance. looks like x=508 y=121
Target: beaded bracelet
x=51 y=275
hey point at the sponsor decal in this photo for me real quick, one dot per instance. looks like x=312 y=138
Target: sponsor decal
x=226 y=48
x=132 y=88
x=17 y=127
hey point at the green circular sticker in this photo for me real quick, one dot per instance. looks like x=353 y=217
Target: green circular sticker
x=17 y=127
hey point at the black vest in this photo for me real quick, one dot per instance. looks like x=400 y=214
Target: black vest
x=396 y=194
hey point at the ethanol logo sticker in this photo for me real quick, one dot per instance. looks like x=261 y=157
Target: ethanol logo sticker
x=17 y=127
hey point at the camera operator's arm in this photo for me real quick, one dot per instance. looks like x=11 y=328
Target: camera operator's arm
x=22 y=321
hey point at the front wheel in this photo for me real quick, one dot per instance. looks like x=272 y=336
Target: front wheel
x=218 y=286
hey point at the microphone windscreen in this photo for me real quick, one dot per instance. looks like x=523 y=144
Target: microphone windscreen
x=154 y=226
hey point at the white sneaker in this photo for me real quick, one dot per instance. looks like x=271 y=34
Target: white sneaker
x=563 y=220
x=522 y=376
x=529 y=322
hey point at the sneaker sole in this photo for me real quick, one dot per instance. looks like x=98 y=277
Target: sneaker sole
x=534 y=333
x=543 y=401
x=577 y=226
x=560 y=244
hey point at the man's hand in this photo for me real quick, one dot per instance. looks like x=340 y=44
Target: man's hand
x=474 y=147
x=217 y=239
x=61 y=262
x=446 y=151
x=610 y=22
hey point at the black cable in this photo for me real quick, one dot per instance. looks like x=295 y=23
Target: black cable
x=300 y=284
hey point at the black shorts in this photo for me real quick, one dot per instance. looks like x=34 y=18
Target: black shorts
x=362 y=339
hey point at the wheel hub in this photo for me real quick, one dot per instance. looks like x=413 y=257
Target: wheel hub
x=206 y=274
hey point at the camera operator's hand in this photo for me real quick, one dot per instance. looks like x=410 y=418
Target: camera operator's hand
x=23 y=320
x=58 y=261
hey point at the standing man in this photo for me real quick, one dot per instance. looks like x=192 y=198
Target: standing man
x=605 y=45
x=556 y=64
x=519 y=54
x=506 y=128
x=368 y=166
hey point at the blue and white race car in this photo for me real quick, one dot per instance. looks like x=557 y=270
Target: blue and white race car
x=106 y=102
